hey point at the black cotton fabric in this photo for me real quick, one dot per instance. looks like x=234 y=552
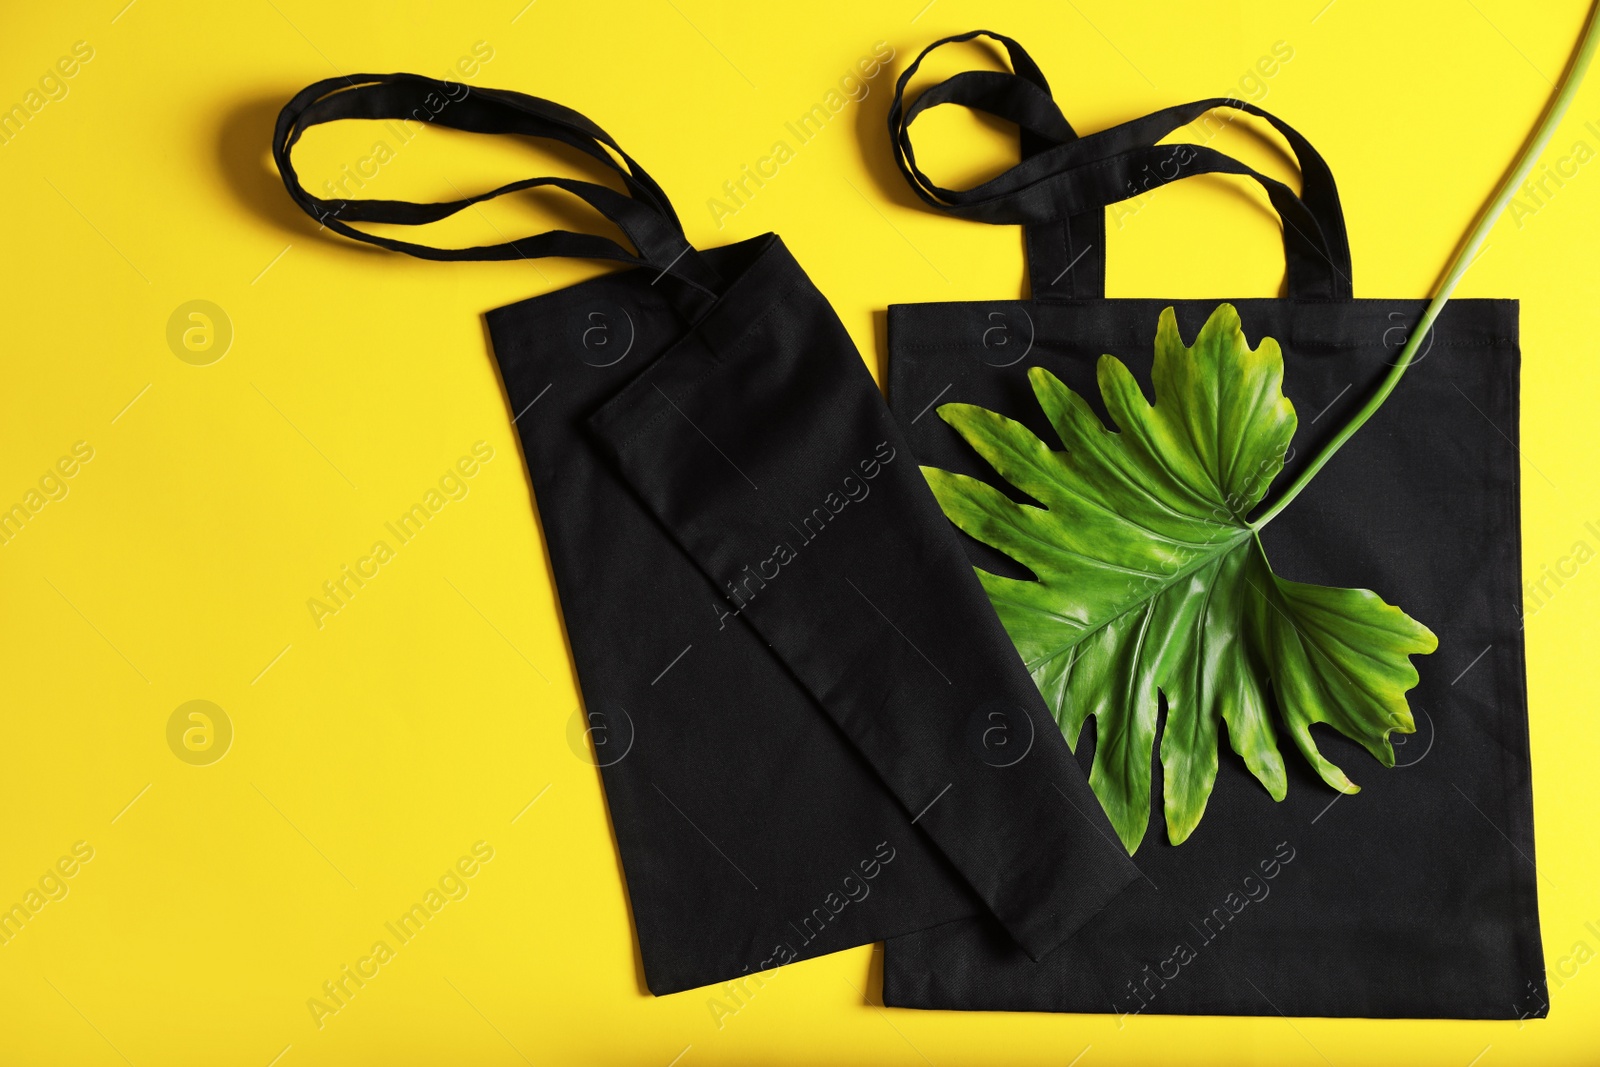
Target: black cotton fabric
x=1417 y=896
x=813 y=732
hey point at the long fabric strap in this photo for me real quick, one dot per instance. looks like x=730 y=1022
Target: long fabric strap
x=644 y=214
x=1054 y=245
x=1063 y=181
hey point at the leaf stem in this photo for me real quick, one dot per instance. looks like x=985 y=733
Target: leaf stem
x=1463 y=260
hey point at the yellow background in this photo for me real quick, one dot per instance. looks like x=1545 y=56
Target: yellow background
x=425 y=716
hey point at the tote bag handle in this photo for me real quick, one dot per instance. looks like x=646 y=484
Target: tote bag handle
x=643 y=214
x=1062 y=184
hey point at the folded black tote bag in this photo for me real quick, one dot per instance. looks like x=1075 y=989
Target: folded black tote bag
x=1414 y=898
x=810 y=726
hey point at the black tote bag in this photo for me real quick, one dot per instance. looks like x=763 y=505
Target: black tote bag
x=1415 y=898
x=798 y=697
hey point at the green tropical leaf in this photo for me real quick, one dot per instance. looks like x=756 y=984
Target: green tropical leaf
x=1150 y=580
